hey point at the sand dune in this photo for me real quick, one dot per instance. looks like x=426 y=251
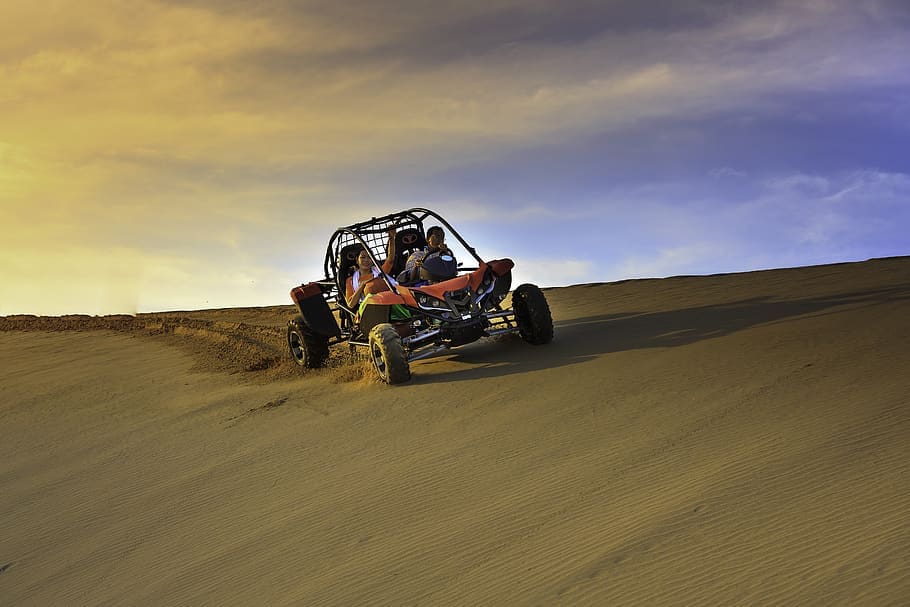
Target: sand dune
x=734 y=439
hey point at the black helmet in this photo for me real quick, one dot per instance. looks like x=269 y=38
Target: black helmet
x=438 y=266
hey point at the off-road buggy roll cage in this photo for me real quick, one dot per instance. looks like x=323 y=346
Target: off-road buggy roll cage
x=435 y=317
x=372 y=235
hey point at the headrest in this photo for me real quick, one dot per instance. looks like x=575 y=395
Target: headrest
x=347 y=259
x=348 y=254
x=409 y=239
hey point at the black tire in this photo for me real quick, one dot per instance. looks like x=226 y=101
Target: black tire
x=308 y=350
x=388 y=355
x=535 y=325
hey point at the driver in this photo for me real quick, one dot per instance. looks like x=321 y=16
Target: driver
x=436 y=244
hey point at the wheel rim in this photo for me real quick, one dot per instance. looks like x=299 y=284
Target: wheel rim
x=296 y=346
x=378 y=360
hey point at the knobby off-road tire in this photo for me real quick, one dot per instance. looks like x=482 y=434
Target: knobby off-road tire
x=308 y=350
x=535 y=325
x=387 y=354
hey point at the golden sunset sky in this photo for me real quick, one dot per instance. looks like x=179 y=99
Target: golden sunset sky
x=178 y=155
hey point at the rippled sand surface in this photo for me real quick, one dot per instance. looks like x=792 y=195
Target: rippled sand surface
x=733 y=439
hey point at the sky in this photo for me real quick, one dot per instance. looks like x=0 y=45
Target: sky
x=177 y=155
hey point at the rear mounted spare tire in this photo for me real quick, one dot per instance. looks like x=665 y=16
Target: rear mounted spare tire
x=308 y=350
x=387 y=354
x=535 y=325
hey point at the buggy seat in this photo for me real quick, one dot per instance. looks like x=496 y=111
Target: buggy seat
x=347 y=263
x=407 y=241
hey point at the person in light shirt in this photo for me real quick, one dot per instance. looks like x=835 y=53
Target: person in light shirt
x=366 y=278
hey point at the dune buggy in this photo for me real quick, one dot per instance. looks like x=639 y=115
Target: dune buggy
x=447 y=304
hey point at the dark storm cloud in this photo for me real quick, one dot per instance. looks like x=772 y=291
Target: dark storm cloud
x=757 y=118
x=416 y=33
x=419 y=34
x=506 y=49
x=432 y=40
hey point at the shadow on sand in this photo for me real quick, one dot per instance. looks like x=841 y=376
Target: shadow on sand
x=582 y=339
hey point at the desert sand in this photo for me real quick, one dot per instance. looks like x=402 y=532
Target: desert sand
x=713 y=440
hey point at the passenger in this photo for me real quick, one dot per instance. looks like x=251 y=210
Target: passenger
x=366 y=279
x=436 y=243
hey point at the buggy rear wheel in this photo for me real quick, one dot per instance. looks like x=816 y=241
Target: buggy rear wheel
x=307 y=349
x=535 y=325
x=387 y=354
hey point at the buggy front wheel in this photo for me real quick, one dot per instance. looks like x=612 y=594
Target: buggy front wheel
x=535 y=325
x=387 y=354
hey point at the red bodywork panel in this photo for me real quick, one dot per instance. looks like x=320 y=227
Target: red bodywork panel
x=306 y=291
x=453 y=284
x=387 y=298
x=501 y=266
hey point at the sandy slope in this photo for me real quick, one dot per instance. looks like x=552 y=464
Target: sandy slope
x=739 y=439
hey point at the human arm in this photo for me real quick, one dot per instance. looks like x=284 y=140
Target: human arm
x=352 y=297
x=391 y=249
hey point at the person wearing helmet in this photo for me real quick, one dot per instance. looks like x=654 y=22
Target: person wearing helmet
x=436 y=245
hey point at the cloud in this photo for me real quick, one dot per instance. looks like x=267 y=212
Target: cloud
x=549 y=272
x=841 y=214
x=670 y=261
x=236 y=88
x=788 y=220
x=229 y=134
x=116 y=280
x=49 y=280
x=726 y=173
